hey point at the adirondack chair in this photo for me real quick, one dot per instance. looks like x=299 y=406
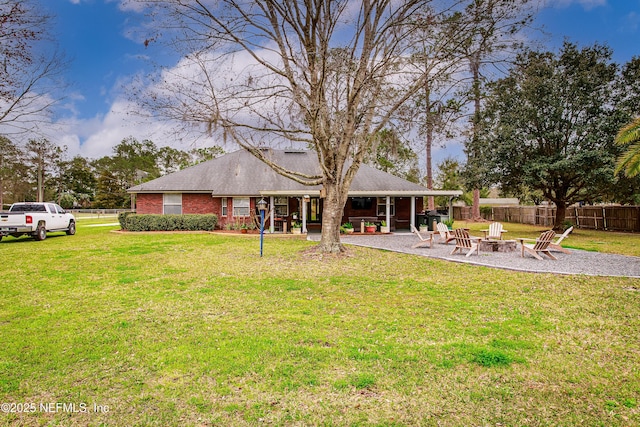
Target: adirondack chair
x=494 y=232
x=446 y=236
x=423 y=241
x=465 y=242
x=555 y=246
x=540 y=247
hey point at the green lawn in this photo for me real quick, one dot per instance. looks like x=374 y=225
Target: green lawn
x=198 y=330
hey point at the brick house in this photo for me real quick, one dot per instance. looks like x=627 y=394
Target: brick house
x=230 y=186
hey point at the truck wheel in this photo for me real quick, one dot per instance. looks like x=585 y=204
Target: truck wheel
x=41 y=233
x=72 y=228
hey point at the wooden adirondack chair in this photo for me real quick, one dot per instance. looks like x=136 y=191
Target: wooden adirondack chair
x=555 y=246
x=494 y=232
x=423 y=241
x=540 y=247
x=446 y=236
x=464 y=241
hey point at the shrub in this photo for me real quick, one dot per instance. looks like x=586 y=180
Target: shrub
x=122 y=219
x=135 y=222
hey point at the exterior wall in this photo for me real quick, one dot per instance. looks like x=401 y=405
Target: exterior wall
x=149 y=203
x=229 y=219
x=201 y=203
x=204 y=203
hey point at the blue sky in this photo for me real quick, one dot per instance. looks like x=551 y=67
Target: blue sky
x=99 y=36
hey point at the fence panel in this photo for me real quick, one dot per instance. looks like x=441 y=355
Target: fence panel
x=619 y=218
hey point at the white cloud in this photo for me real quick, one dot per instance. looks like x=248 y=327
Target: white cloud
x=586 y=4
x=631 y=21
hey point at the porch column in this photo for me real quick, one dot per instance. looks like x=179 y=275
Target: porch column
x=388 y=212
x=413 y=211
x=304 y=215
x=272 y=214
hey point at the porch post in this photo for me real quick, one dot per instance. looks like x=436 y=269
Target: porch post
x=272 y=214
x=413 y=210
x=304 y=215
x=388 y=213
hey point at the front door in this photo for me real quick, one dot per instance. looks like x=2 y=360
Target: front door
x=314 y=210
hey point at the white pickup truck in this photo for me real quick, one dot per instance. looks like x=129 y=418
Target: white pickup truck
x=35 y=219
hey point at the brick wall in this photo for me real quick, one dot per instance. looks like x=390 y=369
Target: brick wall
x=201 y=203
x=149 y=203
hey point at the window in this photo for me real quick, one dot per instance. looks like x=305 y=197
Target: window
x=172 y=203
x=224 y=206
x=281 y=206
x=361 y=203
x=382 y=206
x=240 y=206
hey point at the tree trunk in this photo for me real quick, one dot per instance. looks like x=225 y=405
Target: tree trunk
x=431 y=204
x=332 y=210
x=475 y=206
x=561 y=213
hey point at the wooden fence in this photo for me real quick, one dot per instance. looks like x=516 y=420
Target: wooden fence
x=618 y=218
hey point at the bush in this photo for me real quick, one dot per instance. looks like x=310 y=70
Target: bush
x=122 y=219
x=135 y=222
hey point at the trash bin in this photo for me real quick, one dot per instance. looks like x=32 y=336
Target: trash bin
x=432 y=216
x=437 y=216
x=421 y=220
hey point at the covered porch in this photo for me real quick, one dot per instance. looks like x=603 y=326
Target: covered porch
x=399 y=209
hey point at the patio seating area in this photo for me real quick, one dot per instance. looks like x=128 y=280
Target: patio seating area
x=575 y=262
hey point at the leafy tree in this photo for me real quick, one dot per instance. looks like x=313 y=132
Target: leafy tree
x=133 y=162
x=9 y=161
x=79 y=180
x=109 y=192
x=629 y=162
x=549 y=125
x=391 y=154
x=199 y=155
x=324 y=74
x=44 y=159
x=448 y=177
x=170 y=160
x=628 y=138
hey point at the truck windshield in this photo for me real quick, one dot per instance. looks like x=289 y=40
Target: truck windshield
x=27 y=208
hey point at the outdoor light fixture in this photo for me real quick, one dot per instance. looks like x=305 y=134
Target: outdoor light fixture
x=262 y=207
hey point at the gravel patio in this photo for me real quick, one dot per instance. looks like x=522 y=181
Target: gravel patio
x=577 y=262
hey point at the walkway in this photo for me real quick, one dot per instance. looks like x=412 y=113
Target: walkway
x=578 y=262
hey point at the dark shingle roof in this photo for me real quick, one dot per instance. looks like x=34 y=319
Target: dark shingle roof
x=241 y=174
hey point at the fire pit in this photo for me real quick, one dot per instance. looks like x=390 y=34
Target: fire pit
x=498 y=246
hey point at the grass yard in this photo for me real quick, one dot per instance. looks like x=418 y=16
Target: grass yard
x=114 y=329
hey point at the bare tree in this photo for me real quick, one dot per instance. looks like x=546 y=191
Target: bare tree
x=323 y=74
x=30 y=75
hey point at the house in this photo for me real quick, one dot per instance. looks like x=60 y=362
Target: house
x=231 y=185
